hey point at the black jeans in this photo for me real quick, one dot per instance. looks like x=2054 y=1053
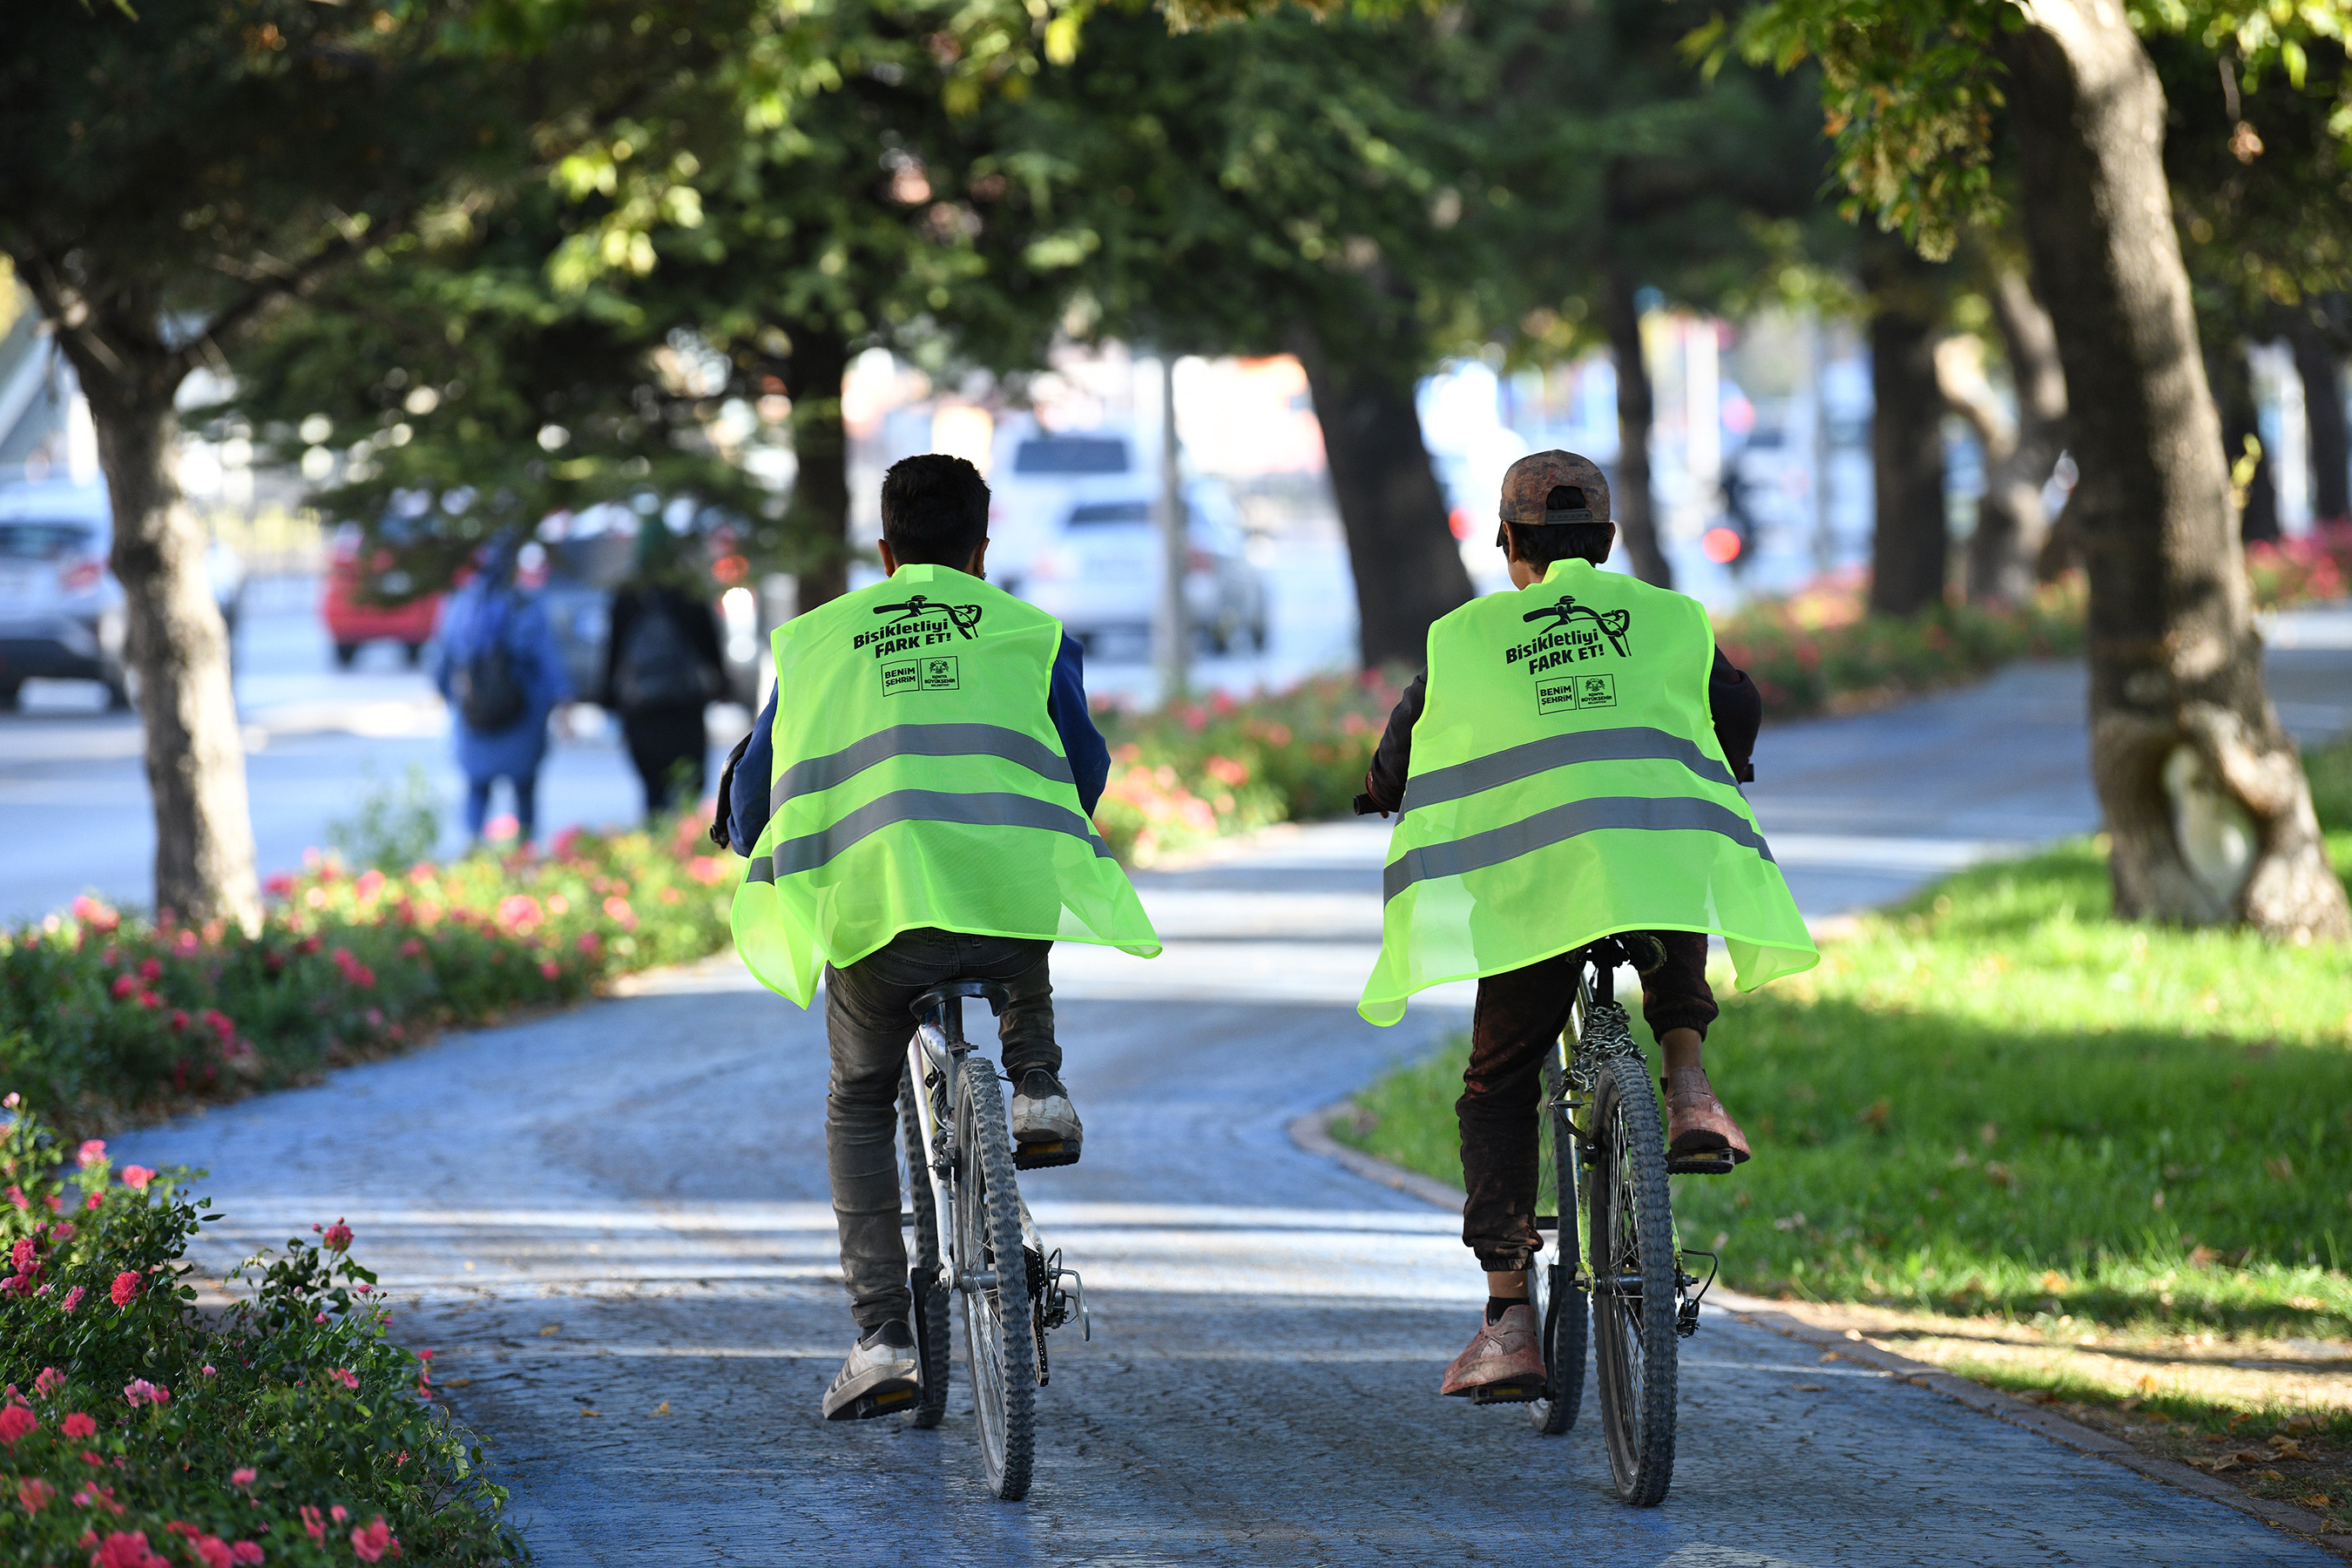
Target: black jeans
x=669 y=748
x=867 y=1024
x=1520 y=1013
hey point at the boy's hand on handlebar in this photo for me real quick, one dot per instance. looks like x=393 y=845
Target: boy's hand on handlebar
x=1366 y=805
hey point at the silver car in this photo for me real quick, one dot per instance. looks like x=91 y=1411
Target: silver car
x=61 y=614
x=1101 y=570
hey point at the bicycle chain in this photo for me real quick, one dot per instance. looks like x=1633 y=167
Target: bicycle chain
x=1608 y=1033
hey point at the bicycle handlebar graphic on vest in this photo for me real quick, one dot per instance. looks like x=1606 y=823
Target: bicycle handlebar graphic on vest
x=1613 y=623
x=965 y=616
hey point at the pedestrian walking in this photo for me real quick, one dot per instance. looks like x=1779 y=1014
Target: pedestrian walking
x=502 y=674
x=662 y=669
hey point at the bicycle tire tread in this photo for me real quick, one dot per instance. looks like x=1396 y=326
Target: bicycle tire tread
x=932 y=1319
x=1644 y=1476
x=984 y=1107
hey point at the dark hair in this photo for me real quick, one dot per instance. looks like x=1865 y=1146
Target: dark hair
x=934 y=510
x=1540 y=544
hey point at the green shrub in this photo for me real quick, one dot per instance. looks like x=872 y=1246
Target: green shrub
x=136 y=1432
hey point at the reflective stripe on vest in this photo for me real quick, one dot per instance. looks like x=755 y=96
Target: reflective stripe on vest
x=918 y=781
x=1566 y=784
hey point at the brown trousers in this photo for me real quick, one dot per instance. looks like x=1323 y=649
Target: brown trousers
x=1519 y=1014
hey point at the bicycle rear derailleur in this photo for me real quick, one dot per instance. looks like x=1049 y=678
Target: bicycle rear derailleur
x=1687 y=1301
x=1050 y=1305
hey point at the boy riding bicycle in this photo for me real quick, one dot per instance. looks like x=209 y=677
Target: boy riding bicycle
x=1566 y=769
x=915 y=802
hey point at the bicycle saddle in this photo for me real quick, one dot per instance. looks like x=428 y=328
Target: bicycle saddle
x=997 y=997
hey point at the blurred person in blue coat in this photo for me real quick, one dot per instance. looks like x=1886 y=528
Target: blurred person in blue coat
x=503 y=675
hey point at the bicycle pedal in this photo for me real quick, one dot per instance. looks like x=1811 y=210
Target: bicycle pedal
x=1042 y=1156
x=866 y=1407
x=1710 y=1165
x=1507 y=1394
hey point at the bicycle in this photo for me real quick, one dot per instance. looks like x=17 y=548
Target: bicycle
x=973 y=1238
x=1623 y=1254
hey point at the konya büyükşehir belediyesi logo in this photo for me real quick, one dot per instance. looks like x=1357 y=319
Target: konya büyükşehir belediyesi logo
x=919 y=623
x=1573 y=635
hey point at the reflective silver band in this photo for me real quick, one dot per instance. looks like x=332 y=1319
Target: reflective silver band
x=1632 y=744
x=810 y=850
x=819 y=774
x=1459 y=856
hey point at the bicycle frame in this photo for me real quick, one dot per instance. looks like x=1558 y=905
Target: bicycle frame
x=1580 y=1058
x=934 y=1054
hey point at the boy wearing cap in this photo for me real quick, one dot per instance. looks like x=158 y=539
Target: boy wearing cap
x=1566 y=769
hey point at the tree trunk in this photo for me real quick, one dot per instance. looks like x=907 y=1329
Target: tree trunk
x=2206 y=804
x=2322 y=373
x=1407 y=566
x=2232 y=381
x=1631 y=502
x=2011 y=521
x=1911 y=541
x=818 y=520
x=177 y=643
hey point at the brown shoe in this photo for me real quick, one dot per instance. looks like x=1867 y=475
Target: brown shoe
x=1502 y=1362
x=1701 y=1137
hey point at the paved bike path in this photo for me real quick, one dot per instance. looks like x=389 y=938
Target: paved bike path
x=611 y=1224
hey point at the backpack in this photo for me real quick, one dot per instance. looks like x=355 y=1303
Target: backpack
x=489 y=689
x=658 y=668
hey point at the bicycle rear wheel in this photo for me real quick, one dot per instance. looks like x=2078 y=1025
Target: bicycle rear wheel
x=993 y=1279
x=1633 y=1264
x=1559 y=1306
x=931 y=1307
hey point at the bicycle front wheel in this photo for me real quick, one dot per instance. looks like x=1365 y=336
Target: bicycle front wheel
x=1559 y=1305
x=1633 y=1252
x=931 y=1294
x=993 y=1279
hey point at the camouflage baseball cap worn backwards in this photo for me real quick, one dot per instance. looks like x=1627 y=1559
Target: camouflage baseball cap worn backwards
x=1531 y=479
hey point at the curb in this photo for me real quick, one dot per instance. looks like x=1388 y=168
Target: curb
x=1312 y=1134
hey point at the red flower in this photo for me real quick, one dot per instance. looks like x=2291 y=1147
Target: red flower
x=338 y=1236
x=127 y=1551
x=34 y=1494
x=213 y=1549
x=150 y=971
x=136 y=1177
x=139 y=1391
x=15 y=1422
x=78 y=1426
x=126 y=1287
x=345 y=1375
x=311 y=1522
x=245 y=1552
x=243 y=1477
x=371 y=1542
x=73 y=1297
x=24 y=1254
x=48 y=1381
x=124 y=986
x=550 y=969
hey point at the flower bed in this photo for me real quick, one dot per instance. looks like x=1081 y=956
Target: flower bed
x=1195 y=771
x=105 y=1017
x=137 y=1433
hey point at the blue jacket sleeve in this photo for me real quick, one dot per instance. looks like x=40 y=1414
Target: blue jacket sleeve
x=1065 y=705
x=747 y=796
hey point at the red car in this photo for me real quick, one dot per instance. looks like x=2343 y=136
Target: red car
x=352 y=620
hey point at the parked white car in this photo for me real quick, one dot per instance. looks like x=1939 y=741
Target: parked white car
x=1101 y=569
x=61 y=614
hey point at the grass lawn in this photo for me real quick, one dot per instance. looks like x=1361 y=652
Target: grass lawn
x=1994 y=1101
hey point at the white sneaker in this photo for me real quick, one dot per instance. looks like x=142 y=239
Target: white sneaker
x=1045 y=1126
x=881 y=1374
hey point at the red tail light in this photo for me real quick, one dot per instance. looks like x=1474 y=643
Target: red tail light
x=81 y=576
x=1202 y=561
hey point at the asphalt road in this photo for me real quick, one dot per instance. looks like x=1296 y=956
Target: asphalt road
x=611 y=1224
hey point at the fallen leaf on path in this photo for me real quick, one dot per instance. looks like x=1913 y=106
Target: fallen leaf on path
x=662 y=1408
x=2318 y=1500
x=550 y=1329
x=456 y=1383
x=1810 y=1388
x=585 y=1411
x=2287 y=1447
x=1831 y=1356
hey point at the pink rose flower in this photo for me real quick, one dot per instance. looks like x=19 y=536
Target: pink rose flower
x=93 y=1151
x=78 y=1426
x=136 y=1177
x=129 y=1550
x=338 y=1236
x=311 y=1522
x=246 y=1553
x=15 y=1422
x=50 y=1377
x=139 y=1391
x=213 y=1549
x=34 y=1494
x=73 y=1298
x=372 y=1542
x=345 y=1376
x=244 y=1477
x=126 y=1286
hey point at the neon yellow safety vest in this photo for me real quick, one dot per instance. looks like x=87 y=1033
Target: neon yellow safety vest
x=918 y=781
x=1566 y=785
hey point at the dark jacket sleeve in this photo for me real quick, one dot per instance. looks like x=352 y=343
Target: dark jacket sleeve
x=700 y=624
x=1065 y=705
x=1739 y=710
x=619 y=621
x=1385 y=782
x=745 y=809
